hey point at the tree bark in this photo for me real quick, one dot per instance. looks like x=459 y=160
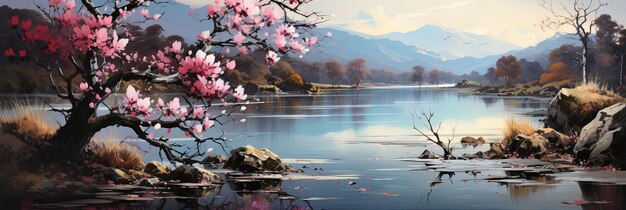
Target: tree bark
x=73 y=137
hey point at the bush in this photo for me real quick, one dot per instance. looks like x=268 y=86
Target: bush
x=116 y=154
x=514 y=127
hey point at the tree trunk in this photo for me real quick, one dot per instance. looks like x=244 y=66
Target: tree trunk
x=447 y=153
x=73 y=137
x=621 y=70
x=585 y=61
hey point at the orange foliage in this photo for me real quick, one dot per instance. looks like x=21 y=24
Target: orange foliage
x=558 y=72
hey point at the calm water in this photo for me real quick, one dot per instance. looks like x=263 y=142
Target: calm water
x=365 y=136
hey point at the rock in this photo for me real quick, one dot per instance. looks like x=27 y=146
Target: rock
x=602 y=142
x=148 y=182
x=158 y=169
x=427 y=154
x=527 y=145
x=187 y=173
x=572 y=109
x=135 y=175
x=496 y=151
x=556 y=141
x=472 y=140
x=250 y=159
x=211 y=160
x=488 y=89
x=116 y=175
x=548 y=91
x=467 y=84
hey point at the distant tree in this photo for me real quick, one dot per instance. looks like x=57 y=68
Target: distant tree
x=508 y=68
x=491 y=75
x=578 y=17
x=417 y=76
x=335 y=71
x=434 y=76
x=357 y=71
x=285 y=77
x=619 y=46
x=531 y=70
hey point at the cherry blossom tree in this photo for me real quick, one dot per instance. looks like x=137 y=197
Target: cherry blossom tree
x=86 y=44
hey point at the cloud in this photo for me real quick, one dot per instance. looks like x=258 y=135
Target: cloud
x=195 y=3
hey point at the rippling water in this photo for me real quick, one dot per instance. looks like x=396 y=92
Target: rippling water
x=366 y=136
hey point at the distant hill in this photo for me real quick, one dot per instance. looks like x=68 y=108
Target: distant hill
x=452 y=43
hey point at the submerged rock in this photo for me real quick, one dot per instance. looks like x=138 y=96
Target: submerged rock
x=158 y=169
x=603 y=141
x=572 y=109
x=427 y=154
x=250 y=159
x=187 y=173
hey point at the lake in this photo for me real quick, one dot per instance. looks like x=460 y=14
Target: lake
x=365 y=136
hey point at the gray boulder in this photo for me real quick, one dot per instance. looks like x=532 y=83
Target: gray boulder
x=572 y=109
x=527 y=145
x=250 y=159
x=556 y=141
x=602 y=142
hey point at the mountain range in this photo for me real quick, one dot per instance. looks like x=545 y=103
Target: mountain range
x=429 y=46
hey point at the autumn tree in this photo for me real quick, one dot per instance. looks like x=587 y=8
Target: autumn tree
x=90 y=38
x=508 y=68
x=577 y=15
x=491 y=75
x=417 y=76
x=562 y=65
x=434 y=76
x=357 y=71
x=335 y=71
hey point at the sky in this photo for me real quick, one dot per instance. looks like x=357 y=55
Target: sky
x=513 y=21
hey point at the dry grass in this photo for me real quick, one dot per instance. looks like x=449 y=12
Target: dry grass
x=598 y=88
x=117 y=154
x=514 y=127
x=26 y=121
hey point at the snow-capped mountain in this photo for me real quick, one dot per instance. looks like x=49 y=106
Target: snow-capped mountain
x=452 y=43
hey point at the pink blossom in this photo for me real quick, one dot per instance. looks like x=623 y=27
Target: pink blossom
x=9 y=52
x=239 y=38
x=239 y=93
x=84 y=86
x=310 y=41
x=207 y=123
x=156 y=16
x=145 y=13
x=14 y=21
x=92 y=105
x=231 y=65
x=174 y=105
x=273 y=14
x=132 y=95
x=214 y=9
x=70 y=5
x=197 y=128
x=205 y=36
x=271 y=57
x=176 y=47
x=157 y=126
